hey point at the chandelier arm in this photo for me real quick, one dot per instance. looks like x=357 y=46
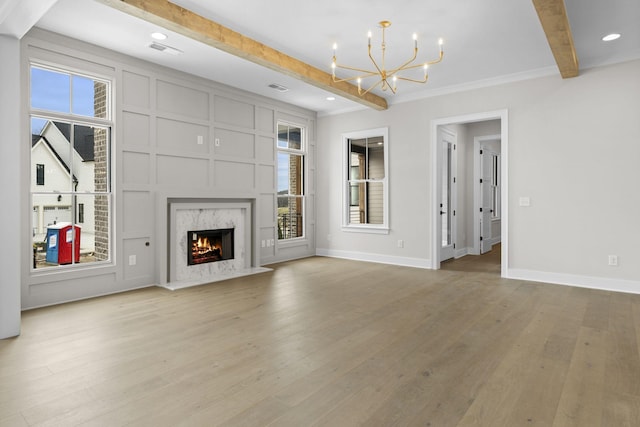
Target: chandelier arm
x=402 y=68
x=369 y=90
x=413 y=80
x=375 y=64
x=348 y=79
x=360 y=70
x=405 y=65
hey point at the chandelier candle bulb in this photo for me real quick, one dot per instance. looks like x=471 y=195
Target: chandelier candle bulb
x=369 y=36
x=415 y=41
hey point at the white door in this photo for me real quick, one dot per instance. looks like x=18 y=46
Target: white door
x=486 y=200
x=448 y=195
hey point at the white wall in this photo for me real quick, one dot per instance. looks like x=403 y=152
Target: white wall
x=573 y=149
x=159 y=116
x=12 y=199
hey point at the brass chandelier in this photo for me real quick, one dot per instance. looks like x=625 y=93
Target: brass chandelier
x=387 y=78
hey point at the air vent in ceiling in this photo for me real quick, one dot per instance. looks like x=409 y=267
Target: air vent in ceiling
x=164 y=48
x=278 y=87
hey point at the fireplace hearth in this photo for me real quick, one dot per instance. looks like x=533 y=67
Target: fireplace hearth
x=210 y=246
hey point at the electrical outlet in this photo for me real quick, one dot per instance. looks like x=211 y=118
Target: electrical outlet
x=613 y=260
x=401 y=243
x=273 y=243
x=132 y=260
x=268 y=243
x=263 y=243
x=200 y=140
x=217 y=142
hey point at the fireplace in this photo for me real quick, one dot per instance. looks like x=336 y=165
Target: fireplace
x=210 y=246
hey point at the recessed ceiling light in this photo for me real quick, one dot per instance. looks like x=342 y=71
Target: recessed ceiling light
x=331 y=98
x=159 y=36
x=612 y=36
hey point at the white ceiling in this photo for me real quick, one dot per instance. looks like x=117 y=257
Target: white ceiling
x=486 y=41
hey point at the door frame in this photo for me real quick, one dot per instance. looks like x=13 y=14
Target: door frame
x=436 y=184
x=453 y=203
x=477 y=146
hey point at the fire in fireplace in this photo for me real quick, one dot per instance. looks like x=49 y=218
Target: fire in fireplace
x=210 y=246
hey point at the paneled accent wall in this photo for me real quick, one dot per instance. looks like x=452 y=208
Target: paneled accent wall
x=180 y=134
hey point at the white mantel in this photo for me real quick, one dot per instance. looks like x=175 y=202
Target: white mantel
x=181 y=214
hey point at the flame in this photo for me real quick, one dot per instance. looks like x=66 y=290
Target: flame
x=203 y=246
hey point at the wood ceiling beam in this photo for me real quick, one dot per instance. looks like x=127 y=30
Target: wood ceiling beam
x=555 y=23
x=175 y=18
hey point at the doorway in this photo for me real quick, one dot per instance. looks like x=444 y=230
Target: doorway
x=448 y=201
x=440 y=194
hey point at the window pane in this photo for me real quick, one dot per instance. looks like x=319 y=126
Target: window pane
x=290 y=174
x=375 y=158
x=90 y=159
x=57 y=241
x=375 y=204
x=290 y=217
x=89 y=97
x=367 y=155
x=357 y=205
x=50 y=157
x=289 y=137
x=50 y=90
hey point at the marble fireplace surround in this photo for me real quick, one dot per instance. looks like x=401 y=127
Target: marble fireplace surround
x=182 y=214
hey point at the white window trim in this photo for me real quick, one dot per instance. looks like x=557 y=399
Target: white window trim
x=365 y=228
x=66 y=272
x=303 y=151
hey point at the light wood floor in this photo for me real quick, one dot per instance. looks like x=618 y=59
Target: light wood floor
x=329 y=342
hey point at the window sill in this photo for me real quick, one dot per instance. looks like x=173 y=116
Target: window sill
x=56 y=274
x=365 y=229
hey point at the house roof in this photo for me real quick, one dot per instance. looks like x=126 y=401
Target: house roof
x=83 y=139
x=37 y=138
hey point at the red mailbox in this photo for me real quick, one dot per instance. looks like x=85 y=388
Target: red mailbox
x=62 y=240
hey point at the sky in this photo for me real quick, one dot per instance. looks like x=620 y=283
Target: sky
x=58 y=92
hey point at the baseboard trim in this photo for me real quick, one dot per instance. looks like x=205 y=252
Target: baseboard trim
x=601 y=283
x=378 y=258
x=459 y=253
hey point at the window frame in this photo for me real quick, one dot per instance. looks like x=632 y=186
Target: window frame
x=40 y=168
x=495 y=186
x=382 y=228
x=75 y=119
x=303 y=153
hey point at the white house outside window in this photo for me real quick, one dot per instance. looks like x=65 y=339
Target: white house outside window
x=70 y=149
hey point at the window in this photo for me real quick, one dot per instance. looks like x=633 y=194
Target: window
x=495 y=186
x=71 y=134
x=366 y=178
x=39 y=174
x=291 y=181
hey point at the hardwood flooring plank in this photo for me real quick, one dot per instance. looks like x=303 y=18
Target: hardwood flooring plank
x=331 y=342
x=581 y=400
